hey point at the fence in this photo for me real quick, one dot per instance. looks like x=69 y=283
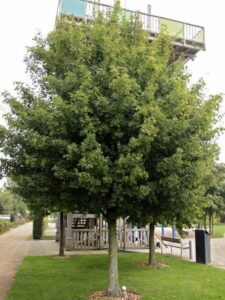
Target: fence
x=90 y=238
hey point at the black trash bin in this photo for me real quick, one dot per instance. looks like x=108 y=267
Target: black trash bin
x=202 y=246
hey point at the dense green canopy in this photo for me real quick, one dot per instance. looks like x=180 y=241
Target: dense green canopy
x=109 y=125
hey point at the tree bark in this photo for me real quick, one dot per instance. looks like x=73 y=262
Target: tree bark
x=124 y=235
x=113 y=287
x=151 y=257
x=210 y=223
x=61 y=235
x=100 y=232
x=205 y=218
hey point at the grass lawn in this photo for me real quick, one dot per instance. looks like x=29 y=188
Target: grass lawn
x=74 y=278
x=218 y=231
x=48 y=237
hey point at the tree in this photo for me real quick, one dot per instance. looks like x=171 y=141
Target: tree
x=215 y=195
x=178 y=155
x=180 y=159
x=37 y=226
x=12 y=204
x=97 y=123
x=6 y=202
x=33 y=154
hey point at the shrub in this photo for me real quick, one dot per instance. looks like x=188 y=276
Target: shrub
x=6 y=225
x=3 y=225
x=13 y=218
x=37 y=227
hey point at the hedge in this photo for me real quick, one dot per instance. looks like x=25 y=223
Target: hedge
x=37 y=227
x=6 y=225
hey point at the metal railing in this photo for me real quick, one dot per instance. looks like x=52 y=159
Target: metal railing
x=183 y=32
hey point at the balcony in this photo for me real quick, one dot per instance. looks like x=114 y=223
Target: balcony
x=189 y=39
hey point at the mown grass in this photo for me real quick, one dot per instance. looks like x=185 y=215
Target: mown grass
x=218 y=231
x=48 y=237
x=75 y=277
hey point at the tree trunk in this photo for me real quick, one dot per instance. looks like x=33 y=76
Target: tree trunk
x=151 y=257
x=100 y=232
x=113 y=288
x=210 y=224
x=205 y=218
x=61 y=235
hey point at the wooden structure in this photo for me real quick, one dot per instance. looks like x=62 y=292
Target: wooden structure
x=89 y=232
x=86 y=231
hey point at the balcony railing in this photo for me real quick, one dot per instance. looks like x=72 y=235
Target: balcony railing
x=185 y=33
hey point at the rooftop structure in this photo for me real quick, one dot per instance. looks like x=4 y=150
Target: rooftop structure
x=189 y=39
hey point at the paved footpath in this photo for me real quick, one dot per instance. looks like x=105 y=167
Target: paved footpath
x=14 y=246
x=18 y=243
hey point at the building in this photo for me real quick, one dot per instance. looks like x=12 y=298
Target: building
x=189 y=38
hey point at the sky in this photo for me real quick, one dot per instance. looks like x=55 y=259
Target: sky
x=21 y=20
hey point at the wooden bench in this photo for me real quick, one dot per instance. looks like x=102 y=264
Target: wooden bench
x=176 y=243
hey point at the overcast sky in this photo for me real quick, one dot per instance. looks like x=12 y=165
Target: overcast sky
x=20 y=20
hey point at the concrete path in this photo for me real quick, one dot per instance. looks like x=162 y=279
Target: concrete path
x=14 y=246
x=18 y=243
